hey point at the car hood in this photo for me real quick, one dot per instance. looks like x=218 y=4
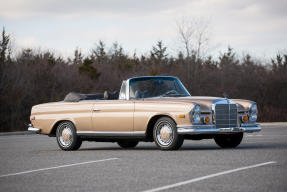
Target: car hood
x=204 y=102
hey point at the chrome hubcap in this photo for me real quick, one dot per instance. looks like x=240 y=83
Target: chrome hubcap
x=164 y=134
x=65 y=136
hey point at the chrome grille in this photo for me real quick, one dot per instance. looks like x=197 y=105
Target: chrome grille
x=225 y=115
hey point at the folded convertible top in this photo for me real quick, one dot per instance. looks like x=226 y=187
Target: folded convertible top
x=76 y=97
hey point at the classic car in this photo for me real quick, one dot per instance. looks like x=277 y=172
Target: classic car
x=150 y=108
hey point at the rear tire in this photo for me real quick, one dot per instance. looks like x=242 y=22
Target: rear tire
x=228 y=141
x=67 y=138
x=165 y=134
x=128 y=144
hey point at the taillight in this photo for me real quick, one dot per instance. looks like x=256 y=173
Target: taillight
x=32 y=117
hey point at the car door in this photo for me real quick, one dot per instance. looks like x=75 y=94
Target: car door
x=113 y=116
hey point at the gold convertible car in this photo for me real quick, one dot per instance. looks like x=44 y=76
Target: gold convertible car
x=149 y=108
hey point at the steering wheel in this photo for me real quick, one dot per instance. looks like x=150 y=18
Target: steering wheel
x=171 y=92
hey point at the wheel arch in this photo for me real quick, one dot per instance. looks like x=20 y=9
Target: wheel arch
x=151 y=123
x=54 y=127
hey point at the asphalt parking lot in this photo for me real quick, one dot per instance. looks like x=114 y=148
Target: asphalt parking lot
x=35 y=163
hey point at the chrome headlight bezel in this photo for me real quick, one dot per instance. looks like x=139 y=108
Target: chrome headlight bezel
x=252 y=112
x=195 y=114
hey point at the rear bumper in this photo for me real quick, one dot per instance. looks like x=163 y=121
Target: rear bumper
x=33 y=129
x=211 y=129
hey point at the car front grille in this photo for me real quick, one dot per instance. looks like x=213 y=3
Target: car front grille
x=225 y=115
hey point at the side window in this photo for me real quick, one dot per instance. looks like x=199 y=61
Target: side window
x=123 y=91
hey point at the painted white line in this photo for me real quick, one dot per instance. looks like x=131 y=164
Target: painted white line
x=208 y=177
x=261 y=142
x=282 y=135
x=57 y=167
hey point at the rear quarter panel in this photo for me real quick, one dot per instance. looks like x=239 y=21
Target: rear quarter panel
x=47 y=115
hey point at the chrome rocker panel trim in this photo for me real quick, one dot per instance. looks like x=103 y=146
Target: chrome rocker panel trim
x=111 y=133
x=210 y=129
x=33 y=129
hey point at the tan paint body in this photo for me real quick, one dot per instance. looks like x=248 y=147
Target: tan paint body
x=120 y=115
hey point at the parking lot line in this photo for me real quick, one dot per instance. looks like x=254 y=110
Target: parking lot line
x=57 y=167
x=208 y=177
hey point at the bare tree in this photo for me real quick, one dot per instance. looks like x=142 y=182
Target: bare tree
x=193 y=33
x=201 y=36
x=186 y=31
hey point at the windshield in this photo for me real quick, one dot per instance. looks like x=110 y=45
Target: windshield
x=146 y=87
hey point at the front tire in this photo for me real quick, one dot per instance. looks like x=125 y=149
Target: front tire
x=228 y=141
x=165 y=134
x=128 y=144
x=67 y=138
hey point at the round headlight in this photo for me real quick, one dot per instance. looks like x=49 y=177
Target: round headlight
x=197 y=109
x=195 y=114
x=253 y=112
x=196 y=117
x=254 y=108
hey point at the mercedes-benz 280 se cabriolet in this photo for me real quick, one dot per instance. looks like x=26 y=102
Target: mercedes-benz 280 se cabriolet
x=150 y=108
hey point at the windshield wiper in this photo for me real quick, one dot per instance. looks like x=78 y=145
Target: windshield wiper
x=173 y=95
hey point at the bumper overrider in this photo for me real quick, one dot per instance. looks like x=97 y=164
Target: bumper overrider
x=211 y=129
x=33 y=129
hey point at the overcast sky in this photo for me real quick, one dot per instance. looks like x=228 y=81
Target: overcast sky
x=258 y=27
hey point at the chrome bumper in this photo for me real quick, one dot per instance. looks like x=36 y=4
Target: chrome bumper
x=211 y=129
x=32 y=129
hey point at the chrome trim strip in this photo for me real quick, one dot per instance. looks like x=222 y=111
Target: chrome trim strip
x=111 y=133
x=251 y=129
x=249 y=124
x=128 y=89
x=199 y=126
x=210 y=129
x=32 y=129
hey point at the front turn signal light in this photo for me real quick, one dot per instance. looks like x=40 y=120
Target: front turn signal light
x=181 y=116
x=207 y=119
x=245 y=118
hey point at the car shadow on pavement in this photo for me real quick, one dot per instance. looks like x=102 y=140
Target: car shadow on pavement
x=243 y=146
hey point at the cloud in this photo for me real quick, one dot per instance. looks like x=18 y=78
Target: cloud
x=27 y=42
x=137 y=24
x=15 y=9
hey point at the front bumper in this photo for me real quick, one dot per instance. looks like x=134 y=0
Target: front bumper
x=33 y=129
x=211 y=129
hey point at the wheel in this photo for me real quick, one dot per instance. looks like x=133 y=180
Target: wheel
x=67 y=138
x=128 y=144
x=165 y=134
x=228 y=141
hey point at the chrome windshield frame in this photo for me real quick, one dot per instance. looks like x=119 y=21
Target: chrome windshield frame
x=128 y=89
x=159 y=76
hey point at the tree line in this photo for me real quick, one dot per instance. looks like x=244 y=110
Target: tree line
x=32 y=77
